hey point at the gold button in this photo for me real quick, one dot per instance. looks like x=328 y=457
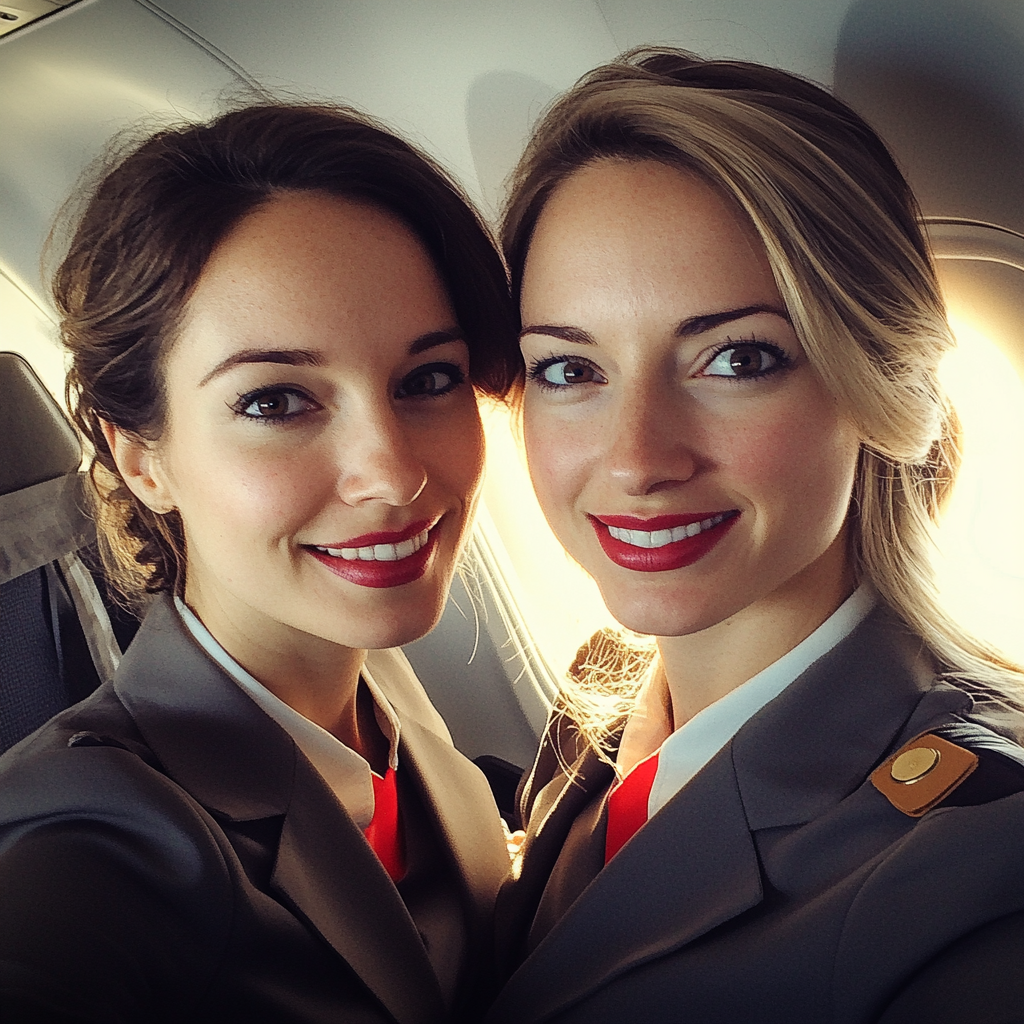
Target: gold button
x=914 y=764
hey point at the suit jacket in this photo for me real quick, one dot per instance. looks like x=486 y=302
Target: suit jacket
x=168 y=854
x=779 y=884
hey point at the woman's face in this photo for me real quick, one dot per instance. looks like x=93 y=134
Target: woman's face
x=322 y=441
x=682 y=447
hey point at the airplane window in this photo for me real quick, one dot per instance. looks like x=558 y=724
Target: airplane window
x=980 y=556
x=559 y=602
x=27 y=330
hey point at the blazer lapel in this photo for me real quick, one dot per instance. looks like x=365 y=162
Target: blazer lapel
x=457 y=797
x=328 y=872
x=645 y=904
x=555 y=811
x=222 y=749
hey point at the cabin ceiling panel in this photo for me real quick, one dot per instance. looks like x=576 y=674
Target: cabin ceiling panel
x=463 y=78
x=79 y=77
x=943 y=82
x=798 y=35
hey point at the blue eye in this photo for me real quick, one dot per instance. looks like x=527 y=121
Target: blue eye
x=561 y=372
x=749 y=359
x=430 y=381
x=274 y=404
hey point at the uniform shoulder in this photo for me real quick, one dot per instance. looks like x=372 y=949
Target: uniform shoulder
x=963 y=762
x=114 y=886
x=101 y=715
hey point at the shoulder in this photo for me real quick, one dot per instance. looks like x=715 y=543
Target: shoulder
x=956 y=866
x=87 y=777
x=113 y=883
x=116 y=895
x=101 y=780
x=962 y=761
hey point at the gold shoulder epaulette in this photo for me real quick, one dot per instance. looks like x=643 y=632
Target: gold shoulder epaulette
x=923 y=773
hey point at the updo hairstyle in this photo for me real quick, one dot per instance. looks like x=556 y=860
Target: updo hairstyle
x=146 y=233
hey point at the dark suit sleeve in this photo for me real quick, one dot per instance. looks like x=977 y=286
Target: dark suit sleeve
x=977 y=980
x=114 y=898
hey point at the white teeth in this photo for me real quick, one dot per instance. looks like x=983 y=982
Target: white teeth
x=380 y=552
x=659 y=538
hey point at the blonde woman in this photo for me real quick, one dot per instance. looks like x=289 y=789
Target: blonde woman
x=809 y=805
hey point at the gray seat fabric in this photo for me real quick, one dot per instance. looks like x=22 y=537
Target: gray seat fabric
x=56 y=642
x=31 y=687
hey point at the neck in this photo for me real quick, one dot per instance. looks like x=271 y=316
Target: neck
x=315 y=677
x=701 y=668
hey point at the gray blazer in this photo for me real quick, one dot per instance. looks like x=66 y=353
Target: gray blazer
x=168 y=854
x=780 y=885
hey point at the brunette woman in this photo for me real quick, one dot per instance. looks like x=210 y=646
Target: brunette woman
x=809 y=805
x=276 y=321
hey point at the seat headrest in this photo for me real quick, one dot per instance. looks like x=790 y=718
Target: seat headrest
x=37 y=443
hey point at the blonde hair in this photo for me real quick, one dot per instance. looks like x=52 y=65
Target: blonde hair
x=841 y=230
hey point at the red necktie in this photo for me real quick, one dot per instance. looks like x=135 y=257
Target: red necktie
x=384 y=833
x=627 y=805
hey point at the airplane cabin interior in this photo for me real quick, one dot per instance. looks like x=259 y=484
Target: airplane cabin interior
x=941 y=80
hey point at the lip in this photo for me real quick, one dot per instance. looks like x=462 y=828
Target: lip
x=365 y=540
x=380 y=575
x=675 y=555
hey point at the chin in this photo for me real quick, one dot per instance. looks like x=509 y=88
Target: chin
x=662 y=614
x=390 y=627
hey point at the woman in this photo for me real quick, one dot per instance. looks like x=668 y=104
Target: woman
x=812 y=795
x=276 y=321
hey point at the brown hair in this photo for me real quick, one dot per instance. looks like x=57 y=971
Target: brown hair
x=841 y=229
x=147 y=232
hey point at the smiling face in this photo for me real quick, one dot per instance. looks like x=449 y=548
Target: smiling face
x=322 y=441
x=682 y=447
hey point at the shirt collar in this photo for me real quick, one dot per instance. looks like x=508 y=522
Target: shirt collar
x=347 y=773
x=692 y=745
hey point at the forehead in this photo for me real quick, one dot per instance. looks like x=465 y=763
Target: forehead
x=641 y=226
x=315 y=261
x=310 y=234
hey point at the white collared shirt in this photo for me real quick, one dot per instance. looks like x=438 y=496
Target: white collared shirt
x=692 y=745
x=347 y=773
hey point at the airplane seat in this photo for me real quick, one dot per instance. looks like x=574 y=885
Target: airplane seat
x=57 y=643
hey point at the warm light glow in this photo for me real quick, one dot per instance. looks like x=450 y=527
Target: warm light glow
x=980 y=562
x=24 y=329
x=560 y=602
x=980 y=556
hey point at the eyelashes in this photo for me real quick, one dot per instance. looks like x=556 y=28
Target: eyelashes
x=746 y=360
x=280 y=404
x=275 y=404
x=431 y=381
x=557 y=372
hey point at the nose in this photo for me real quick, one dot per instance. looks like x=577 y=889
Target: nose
x=650 y=443
x=378 y=461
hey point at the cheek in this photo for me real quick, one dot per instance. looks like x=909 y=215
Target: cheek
x=798 y=464
x=554 y=460
x=227 y=492
x=452 y=451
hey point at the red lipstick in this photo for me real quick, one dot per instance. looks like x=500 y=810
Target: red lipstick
x=379 y=559
x=645 y=553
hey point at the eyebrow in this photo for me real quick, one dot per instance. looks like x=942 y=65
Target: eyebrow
x=688 y=328
x=310 y=357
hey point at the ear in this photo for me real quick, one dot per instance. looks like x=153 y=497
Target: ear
x=139 y=465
